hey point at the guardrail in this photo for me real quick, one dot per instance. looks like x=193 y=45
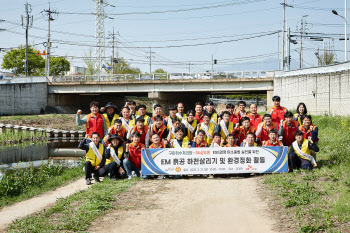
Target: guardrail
x=161 y=76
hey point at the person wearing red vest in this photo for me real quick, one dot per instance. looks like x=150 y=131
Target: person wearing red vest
x=249 y=141
x=94 y=122
x=156 y=143
x=158 y=128
x=132 y=156
x=233 y=118
x=287 y=129
x=242 y=112
x=262 y=132
x=141 y=128
x=231 y=141
x=117 y=129
x=199 y=112
x=277 y=111
x=199 y=139
x=255 y=118
x=242 y=131
x=272 y=139
x=310 y=131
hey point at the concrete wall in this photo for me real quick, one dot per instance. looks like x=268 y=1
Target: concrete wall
x=324 y=90
x=23 y=98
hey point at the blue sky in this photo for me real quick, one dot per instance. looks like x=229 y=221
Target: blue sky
x=193 y=22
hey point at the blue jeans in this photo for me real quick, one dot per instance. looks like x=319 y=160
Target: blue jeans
x=129 y=167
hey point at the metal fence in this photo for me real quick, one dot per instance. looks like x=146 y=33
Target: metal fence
x=161 y=76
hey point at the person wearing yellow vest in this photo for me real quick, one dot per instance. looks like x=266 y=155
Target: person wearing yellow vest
x=231 y=141
x=191 y=124
x=175 y=124
x=249 y=141
x=180 y=110
x=169 y=121
x=131 y=104
x=94 y=122
x=209 y=109
x=111 y=114
x=225 y=126
x=299 y=155
x=179 y=141
x=95 y=157
x=126 y=118
x=114 y=158
x=142 y=113
x=301 y=113
x=207 y=127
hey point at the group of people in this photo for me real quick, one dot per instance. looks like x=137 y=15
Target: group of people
x=114 y=138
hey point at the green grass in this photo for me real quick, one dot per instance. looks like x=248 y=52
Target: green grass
x=319 y=200
x=10 y=136
x=76 y=212
x=21 y=184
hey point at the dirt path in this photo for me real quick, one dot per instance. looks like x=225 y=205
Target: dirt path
x=36 y=204
x=194 y=205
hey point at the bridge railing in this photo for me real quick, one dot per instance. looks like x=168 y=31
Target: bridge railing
x=161 y=76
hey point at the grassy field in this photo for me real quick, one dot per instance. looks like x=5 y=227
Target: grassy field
x=319 y=200
x=76 y=212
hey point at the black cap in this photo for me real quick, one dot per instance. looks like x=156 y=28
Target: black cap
x=110 y=104
x=116 y=136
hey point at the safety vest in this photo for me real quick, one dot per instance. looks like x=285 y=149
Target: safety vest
x=143 y=133
x=296 y=116
x=157 y=115
x=241 y=134
x=90 y=155
x=120 y=155
x=184 y=143
x=304 y=149
x=269 y=143
x=211 y=129
x=234 y=145
x=135 y=154
x=238 y=114
x=171 y=121
x=94 y=124
x=214 y=117
x=278 y=114
x=307 y=133
x=288 y=136
x=160 y=131
x=264 y=134
x=120 y=133
x=229 y=129
x=161 y=145
x=190 y=135
x=184 y=116
x=202 y=144
x=255 y=120
x=110 y=123
x=132 y=122
x=234 y=119
x=199 y=118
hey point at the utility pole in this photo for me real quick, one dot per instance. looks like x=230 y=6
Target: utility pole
x=189 y=67
x=48 y=52
x=301 y=43
x=212 y=63
x=288 y=50
x=283 y=30
x=150 y=59
x=28 y=24
x=113 y=45
x=346 y=31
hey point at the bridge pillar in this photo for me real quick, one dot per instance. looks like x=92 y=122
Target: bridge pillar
x=167 y=99
x=269 y=102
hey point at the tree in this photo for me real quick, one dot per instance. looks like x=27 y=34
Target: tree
x=327 y=58
x=59 y=65
x=15 y=60
x=90 y=63
x=159 y=71
x=123 y=67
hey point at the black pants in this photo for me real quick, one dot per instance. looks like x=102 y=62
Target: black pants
x=90 y=169
x=113 y=170
x=295 y=162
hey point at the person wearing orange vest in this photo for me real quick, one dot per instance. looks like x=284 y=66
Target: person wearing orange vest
x=95 y=157
x=310 y=131
x=262 y=132
x=225 y=126
x=141 y=128
x=158 y=128
x=299 y=155
x=231 y=141
x=242 y=112
x=157 y=112
x=132 y=156
x=199 y=112
x=255 y=118
x=94 y=122
x=232 y=110
x=199 y=139
x=117 y=129
x=277 y=111
x=242 y=131
x=272 y=139
x=156 y=143
x=287 y=129
x=249 y=141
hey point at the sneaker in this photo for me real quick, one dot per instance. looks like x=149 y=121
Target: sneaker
x=88 y=181
x=96 y=178
x=130 y=177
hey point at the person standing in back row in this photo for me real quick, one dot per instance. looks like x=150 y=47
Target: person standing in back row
x=94 y=122
x=277 y=111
